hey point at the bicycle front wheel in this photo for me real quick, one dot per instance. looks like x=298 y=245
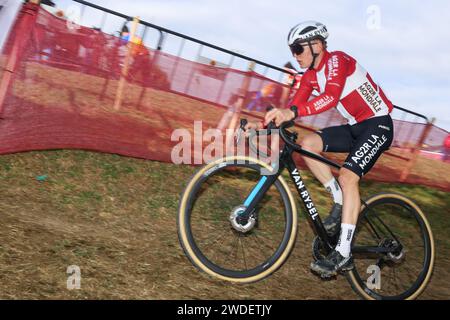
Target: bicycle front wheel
x=213 y=237
x=393 y=249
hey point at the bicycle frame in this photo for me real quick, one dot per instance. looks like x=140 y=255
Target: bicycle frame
x=286 y=162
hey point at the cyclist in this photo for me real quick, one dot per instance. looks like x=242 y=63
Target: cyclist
x=341 y=83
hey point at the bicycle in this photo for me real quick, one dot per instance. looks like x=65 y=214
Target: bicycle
x=230 y=197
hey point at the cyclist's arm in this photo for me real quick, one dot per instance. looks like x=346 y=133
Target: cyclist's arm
x=336 y=78
x=304 y=91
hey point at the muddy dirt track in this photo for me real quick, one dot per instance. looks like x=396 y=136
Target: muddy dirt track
x=114 y=217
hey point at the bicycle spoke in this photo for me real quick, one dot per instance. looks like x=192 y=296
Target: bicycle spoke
x=258 y=240
x=234 y=253
x=216 y=240
x=243 y=252
x=396 y=280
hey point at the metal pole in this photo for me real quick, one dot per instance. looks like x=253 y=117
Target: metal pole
x=280 y=77
x=82 y=14
x=144 y=33
x=219 y=95
x=188 y=85
x=102 y=24
x=160 y=41
x=180 y=50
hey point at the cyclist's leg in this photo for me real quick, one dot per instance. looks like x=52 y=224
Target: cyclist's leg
x=332 y=139
x=313 y=143
x=372 y=138
x=349 y=182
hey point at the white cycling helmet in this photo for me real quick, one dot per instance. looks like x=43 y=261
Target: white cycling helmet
x=307 y=31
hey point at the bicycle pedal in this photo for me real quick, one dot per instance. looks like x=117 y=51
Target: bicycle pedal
x=328 y=276
x=325 y=276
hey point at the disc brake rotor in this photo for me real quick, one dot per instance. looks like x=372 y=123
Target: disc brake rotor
x=240 y=223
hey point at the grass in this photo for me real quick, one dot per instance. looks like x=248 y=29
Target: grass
x=115 y=217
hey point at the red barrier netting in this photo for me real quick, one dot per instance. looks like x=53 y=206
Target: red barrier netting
x=64 y=86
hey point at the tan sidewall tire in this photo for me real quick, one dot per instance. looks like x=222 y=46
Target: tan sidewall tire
x=351 y=275
x=185 y=242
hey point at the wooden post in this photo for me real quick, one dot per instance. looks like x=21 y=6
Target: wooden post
x=415 y=152
x=124 y=73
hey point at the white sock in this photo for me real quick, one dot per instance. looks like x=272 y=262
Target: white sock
x=333 y=187
x=345 y=239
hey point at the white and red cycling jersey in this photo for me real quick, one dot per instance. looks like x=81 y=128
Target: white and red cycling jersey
x=344 y=84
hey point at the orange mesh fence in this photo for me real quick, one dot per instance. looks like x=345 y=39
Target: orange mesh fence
x=64 y=83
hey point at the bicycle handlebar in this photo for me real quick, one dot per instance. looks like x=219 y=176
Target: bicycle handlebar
x=288 y=137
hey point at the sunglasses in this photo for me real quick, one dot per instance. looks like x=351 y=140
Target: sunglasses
x=297 y=48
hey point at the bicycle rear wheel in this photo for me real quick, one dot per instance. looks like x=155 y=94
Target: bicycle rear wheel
x=393 y=249
x=211 y=234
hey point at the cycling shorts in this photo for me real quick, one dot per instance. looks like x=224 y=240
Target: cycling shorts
x=364 y=141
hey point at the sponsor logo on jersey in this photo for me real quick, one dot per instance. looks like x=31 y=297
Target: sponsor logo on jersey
x=323 y=102
x=370 y=96
x=333 y=65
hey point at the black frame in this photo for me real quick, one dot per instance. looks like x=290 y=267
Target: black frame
x=286 y=162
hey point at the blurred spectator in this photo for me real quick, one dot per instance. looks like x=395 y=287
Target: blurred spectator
x=125 y=34
x=269 y=94
x=447 y=148
x=292 y=80
x=51 y=7
x=276 y=94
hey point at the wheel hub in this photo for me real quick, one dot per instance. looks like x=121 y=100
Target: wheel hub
x=240 y=223
x=397 y=253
